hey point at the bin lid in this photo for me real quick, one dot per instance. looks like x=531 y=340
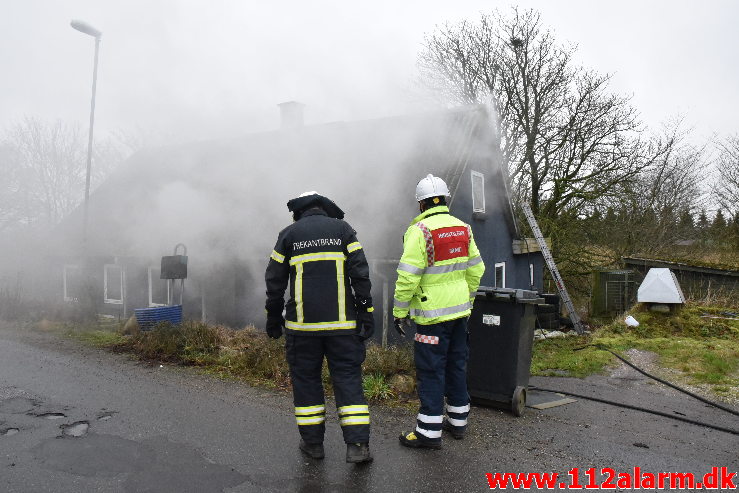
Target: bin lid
x=510 y=294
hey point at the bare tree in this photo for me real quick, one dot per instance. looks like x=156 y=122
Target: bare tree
x=9 y=206
x=727 y=181
x=656 y=205
x=43 y=166
x=567 y=141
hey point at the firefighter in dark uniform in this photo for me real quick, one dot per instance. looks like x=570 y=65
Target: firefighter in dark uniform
x=328 y=314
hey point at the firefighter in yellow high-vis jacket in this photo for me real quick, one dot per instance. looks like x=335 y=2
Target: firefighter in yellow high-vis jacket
x=438 y=275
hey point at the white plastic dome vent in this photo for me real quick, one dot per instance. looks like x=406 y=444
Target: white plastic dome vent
x=660 y=286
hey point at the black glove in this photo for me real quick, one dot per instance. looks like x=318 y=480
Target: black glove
x=366 y=323
x=401 y=324
x=365 y=317
x=274 y=326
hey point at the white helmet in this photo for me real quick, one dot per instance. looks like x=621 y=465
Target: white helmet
x=431 y=186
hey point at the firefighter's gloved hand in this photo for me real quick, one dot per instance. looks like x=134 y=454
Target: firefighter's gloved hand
x=366 y=323
x=365 y=318
x=275 y=326
x=401 y=324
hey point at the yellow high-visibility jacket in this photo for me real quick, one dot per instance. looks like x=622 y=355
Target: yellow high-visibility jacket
x=439 y=271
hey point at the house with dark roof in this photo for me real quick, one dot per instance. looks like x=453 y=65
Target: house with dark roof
x=225 y=200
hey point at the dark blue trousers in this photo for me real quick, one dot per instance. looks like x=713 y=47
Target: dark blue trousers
x=345 y=354
x=441 y=353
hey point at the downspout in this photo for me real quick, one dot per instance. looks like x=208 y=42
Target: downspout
x=385 y=295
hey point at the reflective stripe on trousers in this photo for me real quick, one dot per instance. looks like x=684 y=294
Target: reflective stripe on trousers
x=310 y=415
x=354 y=415
x=457 y=415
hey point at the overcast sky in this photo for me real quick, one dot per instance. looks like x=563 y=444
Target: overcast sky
x=210 y=68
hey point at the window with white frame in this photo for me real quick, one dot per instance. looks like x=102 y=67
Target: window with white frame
x=158 y=288
x=478 y=191
x=113 y=285
x=500 y=275
x=72 y=282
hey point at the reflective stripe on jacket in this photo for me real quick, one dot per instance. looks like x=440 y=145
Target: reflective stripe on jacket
x=323 y=261
x=439 y=271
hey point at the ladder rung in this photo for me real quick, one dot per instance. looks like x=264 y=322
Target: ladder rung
x=576 y=322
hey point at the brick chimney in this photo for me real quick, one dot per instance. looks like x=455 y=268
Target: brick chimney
x=291 y=115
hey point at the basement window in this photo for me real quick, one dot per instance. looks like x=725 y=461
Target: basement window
x=158 y=288
x=478 y=191
x=113 y=277
x=72 y=282
x=500 y=275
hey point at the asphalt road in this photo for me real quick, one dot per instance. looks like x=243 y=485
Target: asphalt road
x=78 y=419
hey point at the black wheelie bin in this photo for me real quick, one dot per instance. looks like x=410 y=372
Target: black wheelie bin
x=501 y=334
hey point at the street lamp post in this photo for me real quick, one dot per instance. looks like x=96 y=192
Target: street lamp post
x=88 y=29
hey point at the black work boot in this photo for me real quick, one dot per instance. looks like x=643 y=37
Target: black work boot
x=357 y=453
x=455 y=431
x=312 y=450
x=414 y=440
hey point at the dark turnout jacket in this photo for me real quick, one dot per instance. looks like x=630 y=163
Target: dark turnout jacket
x=324 y=263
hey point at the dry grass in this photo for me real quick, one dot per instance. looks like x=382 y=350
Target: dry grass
x=694 y=320
x=249 y=355
x=389 y=361
x=244 y=354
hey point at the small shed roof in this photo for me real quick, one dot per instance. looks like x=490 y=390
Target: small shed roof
x=681 y=266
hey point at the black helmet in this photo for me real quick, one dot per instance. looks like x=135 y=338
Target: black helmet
x=307 y=200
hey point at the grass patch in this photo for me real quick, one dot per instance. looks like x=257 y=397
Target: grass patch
x=98 y=338
x=190 y=343
x=693 y=320
x=105 y=333
x=700 y=341
x=710 y=360
x=376 y=388
x=565 y=356
x=389 y=361
x=247 y=355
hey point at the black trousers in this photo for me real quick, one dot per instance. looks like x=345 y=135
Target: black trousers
x=345 y=354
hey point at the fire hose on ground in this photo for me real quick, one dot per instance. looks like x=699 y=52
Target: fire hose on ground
x=651 y=411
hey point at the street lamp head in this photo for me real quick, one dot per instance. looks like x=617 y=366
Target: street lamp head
x=86 y=28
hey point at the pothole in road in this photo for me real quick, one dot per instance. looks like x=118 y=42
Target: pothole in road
x=51 y=415
x=8 y=432
x=76 y=429
x=17 y=405
x=106 y=415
